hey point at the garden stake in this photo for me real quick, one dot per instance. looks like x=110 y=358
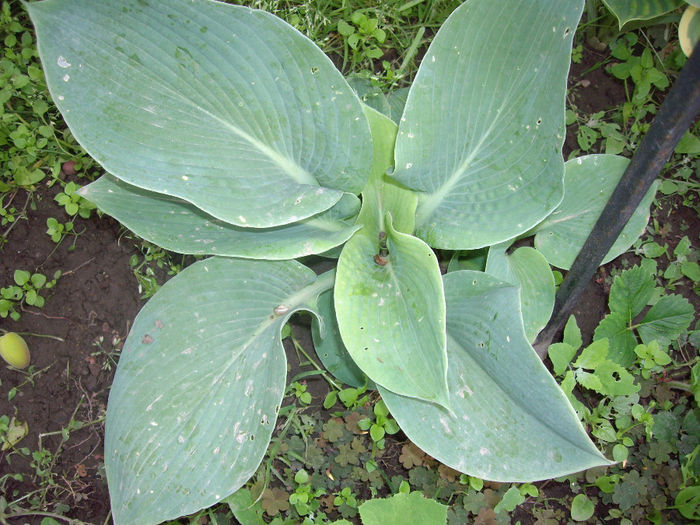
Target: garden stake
x=675 y=116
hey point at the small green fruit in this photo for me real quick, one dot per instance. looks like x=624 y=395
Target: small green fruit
x=14 y=350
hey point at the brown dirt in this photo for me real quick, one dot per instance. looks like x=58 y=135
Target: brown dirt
x=96 y=297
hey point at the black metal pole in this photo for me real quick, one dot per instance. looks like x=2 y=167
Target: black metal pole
x=675 y=116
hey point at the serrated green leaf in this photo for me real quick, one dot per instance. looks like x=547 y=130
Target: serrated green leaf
x=593 y=355
x=621 y=339
x=572 y=333
x=631 y=291
x=179 y=226
x=691 y=270
x=560 y=354
x=492 y=168
x=211 y=112
x=509 y=421
x=689 y=144
x=589 y=380
x=529 y=270
x=653 y=249
x=589 y=181
x=683 y=247
x=615 y=380
x=666 y=320
x=199 y=384
x=401 y=507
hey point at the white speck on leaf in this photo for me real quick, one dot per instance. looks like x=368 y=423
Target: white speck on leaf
x=484 y=451
x=149 y=407
x=464 y=390
x=66 y=78
x=62 y=62
x=445 y=426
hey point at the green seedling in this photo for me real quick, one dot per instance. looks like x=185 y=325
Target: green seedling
x=144 y=267
x=27 y=290
x=299 y=391
x=350 y=397
x=56 y=229
x=305 y=498
x=73 y=203
x=14 y=350
x=651 y=358
x=345 y=497
x=639 y=69
x=381 y=425
x=362 y=38
x=32 y=146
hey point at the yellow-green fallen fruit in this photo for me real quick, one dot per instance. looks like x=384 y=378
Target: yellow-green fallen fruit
x=14 y=350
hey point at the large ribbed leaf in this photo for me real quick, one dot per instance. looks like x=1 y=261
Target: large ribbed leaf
x=529 y=271
x=226 y=107
x=179 y=226
x=509 y=420
x=329 y=345
x=199 y=384
x=388 y=294
x=392 y=316
x=483 y=126
x=589 y=182
x=628 y=10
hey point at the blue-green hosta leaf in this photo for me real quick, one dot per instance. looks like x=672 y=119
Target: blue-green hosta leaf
x=468 y=260
x=615 y=327
x=529 y=270
x=329 y=345
x=226 y=107
x=588 y=183
x=402 y=508
x=510 y=421
x=483 y=125
x=199 y=384
x=383 y=195
x=391 y=316
x=628 y=10
x=179 y=226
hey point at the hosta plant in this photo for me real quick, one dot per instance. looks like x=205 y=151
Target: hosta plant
x=225 y=132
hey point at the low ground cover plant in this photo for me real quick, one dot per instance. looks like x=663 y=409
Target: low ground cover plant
x=227 y=133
